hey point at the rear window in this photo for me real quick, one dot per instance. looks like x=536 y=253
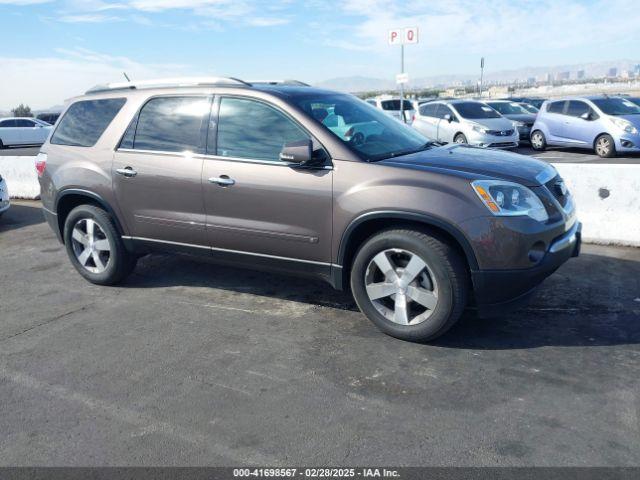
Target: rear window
x=85 y=121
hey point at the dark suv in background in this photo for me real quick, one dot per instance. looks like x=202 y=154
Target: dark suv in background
x=301 y=180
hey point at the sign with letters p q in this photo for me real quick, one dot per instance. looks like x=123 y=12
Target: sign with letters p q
x=400 y=36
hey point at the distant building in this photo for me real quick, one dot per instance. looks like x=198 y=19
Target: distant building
x=580 y=75
x=636 y=70
x=531 y=80
x=613 y=72
x=561 y=76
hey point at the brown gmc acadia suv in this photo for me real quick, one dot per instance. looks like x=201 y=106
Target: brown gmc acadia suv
x=296 y=179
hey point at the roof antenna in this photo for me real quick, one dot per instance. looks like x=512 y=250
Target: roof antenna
x=126 y=76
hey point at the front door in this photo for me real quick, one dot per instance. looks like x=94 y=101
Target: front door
x=258 y=207
x=157 y=170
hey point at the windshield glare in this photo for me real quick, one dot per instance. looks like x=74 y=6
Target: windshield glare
x=475 y=110
x=617 y=106
x=509 y=108
x=367 y=130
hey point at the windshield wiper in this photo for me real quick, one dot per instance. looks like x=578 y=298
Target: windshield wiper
x=409 y=151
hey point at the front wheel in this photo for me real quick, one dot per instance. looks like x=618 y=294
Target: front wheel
x=412 y=285
x=461 y=139
x=605 y=146
x=538 y=141
x=94 y=246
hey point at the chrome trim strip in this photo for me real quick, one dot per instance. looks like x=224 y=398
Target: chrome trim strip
x=565 y=240
x=49 y=211
x=227 y=250
x=185 y=154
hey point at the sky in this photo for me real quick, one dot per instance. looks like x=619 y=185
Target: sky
x=55 y=49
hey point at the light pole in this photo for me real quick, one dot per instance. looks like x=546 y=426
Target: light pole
x=481 y=74
x=400 y=36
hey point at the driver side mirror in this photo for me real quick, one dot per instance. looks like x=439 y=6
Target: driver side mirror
x=448 y=117
x=586 y=116
x=299 y=152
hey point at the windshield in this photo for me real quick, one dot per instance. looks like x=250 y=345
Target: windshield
x=366 y=130
x=508 y=108
x=617 y=106
x=529 y=107
x=475 y=110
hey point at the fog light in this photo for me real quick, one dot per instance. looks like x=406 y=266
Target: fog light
x=627 y=144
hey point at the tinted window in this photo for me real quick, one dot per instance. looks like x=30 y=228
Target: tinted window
x=429 y=109
x=251 y=129
x=395 y=105
x=21 y=122
x=555 y=107
x=8 y=123
x=474 y=110
x=577 y=108
x=85 y=121
x=172 y=124
x=508 y=108
x=617 y=106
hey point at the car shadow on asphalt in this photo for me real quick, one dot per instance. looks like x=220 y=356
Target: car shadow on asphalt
x=21 y=215
x=590 y=301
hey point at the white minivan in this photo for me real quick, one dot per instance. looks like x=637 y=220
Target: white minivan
x=23 y=131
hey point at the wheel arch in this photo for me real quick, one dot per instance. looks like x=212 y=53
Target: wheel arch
x=364 y=226
x=598 y=135
x=70 y=198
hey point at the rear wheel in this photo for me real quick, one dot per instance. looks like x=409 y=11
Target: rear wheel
x=538 y=140
x=94 y=246
x=411 y=285
x=605 y=146
x=460 y=138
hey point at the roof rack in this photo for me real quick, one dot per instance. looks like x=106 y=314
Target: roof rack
x=296 y=83
x=170 y=82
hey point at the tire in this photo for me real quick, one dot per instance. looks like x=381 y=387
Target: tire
x=106 y=263
x=443 y=284
x=604 y=146
x=460 y=138
x=538 y=141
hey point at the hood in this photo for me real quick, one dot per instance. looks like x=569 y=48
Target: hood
x=479 y=162
x=526 y=118
x=634 y=119
x=492 y=123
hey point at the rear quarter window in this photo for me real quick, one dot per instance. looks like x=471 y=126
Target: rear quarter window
x=85 y=121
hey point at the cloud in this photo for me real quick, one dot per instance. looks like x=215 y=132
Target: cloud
x=23 y=2
x=89 y=18
x=47 y=81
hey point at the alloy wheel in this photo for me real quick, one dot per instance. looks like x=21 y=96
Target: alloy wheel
x=91 y=245
x=401 y=286
x=536 y=140
x=603 y=146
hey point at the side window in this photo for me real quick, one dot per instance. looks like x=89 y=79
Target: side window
x=85 y=121
x=253 y=130
x=555 y=107
x=171 y=124
x=8 y=124
x=445 y=110
x=577 y=108
x=429 y=110
x=21 y=122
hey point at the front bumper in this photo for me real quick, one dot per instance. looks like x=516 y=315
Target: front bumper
x=499 y=291
x=4 y=199
x=493 y=141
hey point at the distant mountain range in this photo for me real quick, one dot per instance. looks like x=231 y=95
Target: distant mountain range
x=591 y=70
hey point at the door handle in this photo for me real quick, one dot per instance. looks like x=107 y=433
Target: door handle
x=126 y=172
x=222 y=180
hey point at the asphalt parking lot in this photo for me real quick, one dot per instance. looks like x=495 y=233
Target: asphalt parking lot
x=189 y=363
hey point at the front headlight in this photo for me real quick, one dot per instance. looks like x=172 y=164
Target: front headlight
x=479 y=128
x=508 y=199
x=625 y=125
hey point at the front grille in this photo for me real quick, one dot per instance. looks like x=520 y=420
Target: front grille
x=502 y=144
x=559 y=190
x=500 y=133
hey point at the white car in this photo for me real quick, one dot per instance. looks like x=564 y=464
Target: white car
x=23 y=131
x=4 y=196
x=391 y=106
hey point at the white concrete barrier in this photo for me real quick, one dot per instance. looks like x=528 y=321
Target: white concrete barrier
x=607 y=196
x=21 y=176
x=608 y=201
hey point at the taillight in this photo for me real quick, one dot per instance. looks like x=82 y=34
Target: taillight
x=41 y=163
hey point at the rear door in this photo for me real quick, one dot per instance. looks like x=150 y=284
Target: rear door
x=554 y=119
x=426 y=121
x=157 y=170
x=9 y=132
x=258 y=208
